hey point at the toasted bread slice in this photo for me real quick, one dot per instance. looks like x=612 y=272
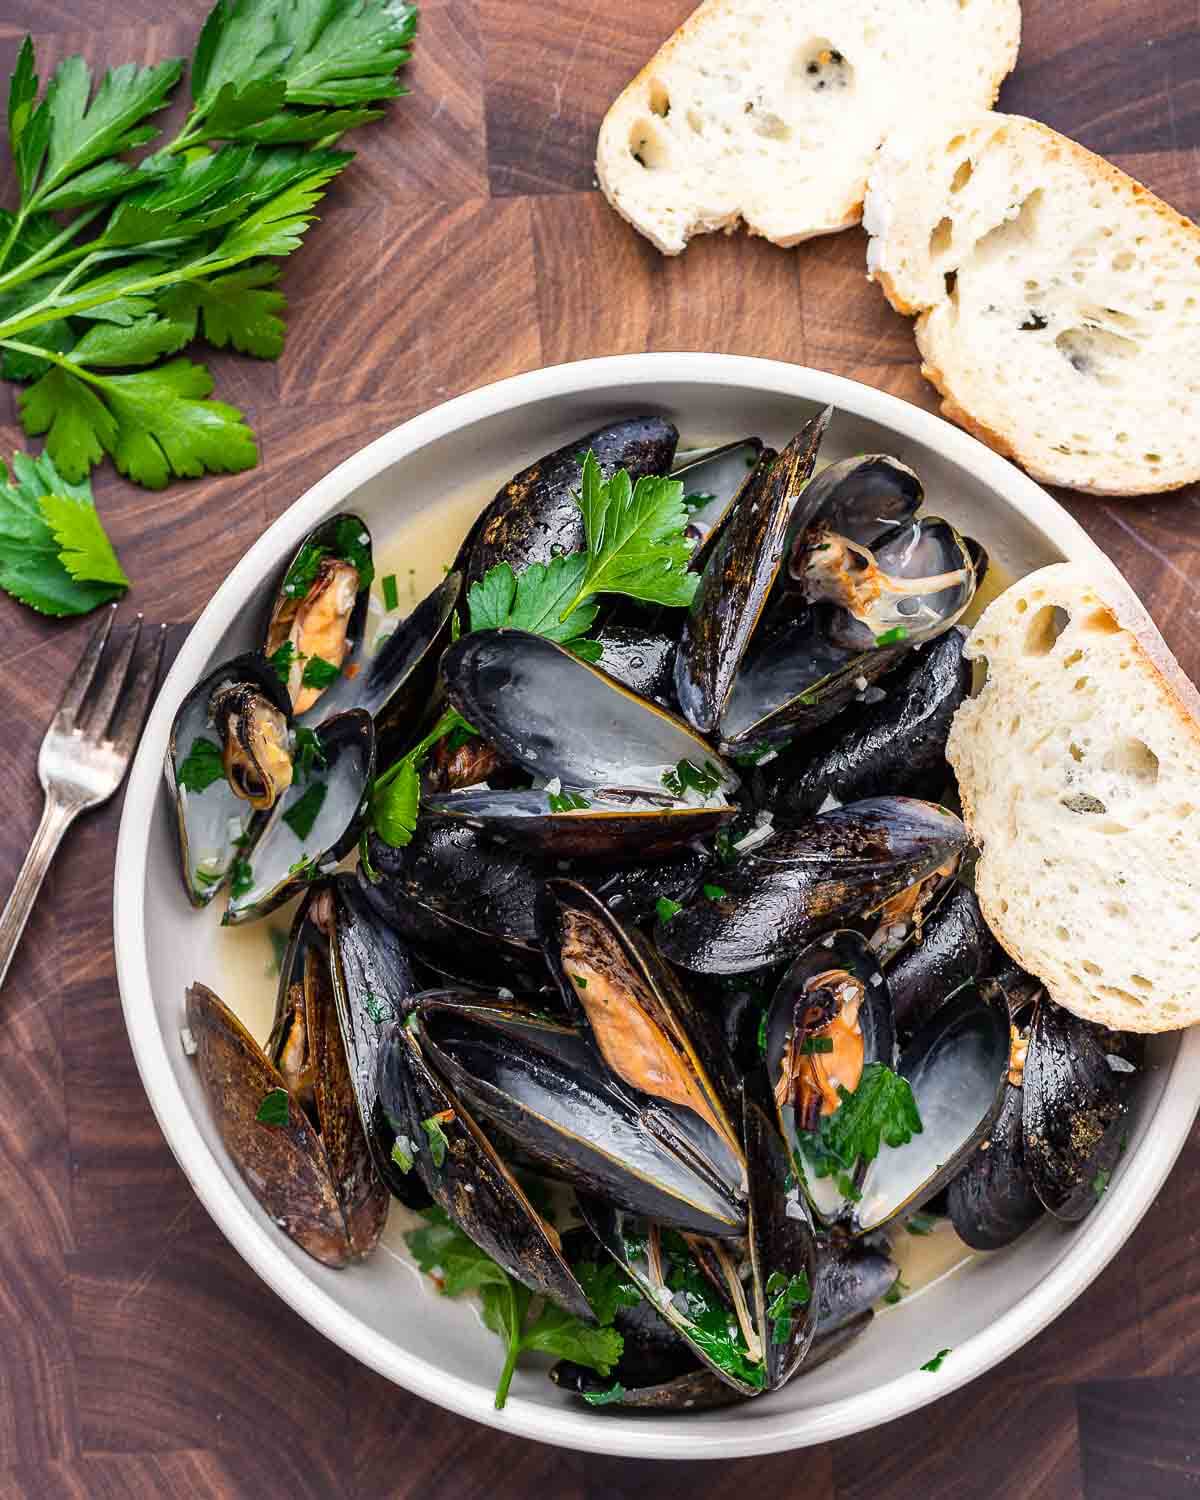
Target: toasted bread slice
x=1079 y=770
x=1058 y=300
x=770 y=111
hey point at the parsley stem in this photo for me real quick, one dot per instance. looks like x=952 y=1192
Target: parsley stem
x=46 y=257
x=514 y=1345
x=10 y=238
x=55 y=359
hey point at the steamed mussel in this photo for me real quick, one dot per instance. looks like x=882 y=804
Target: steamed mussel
x=660 y=989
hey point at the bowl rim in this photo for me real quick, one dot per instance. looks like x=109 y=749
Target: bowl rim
x=257 y=1242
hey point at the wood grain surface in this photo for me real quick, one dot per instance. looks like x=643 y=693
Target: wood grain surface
x=138 y=1355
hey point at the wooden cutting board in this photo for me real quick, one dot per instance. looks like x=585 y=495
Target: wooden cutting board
x=138 y=1355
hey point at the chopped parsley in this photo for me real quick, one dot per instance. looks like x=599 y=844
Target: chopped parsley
x=352 y=542
x=303 y=813
x=202 y=766
x=391 y=595
x=715 y=892
x=580 y=981
x=319 y=673
x=274 y=1108
x=787 y=1294
x=308 y=752
x=437 y=1139
x=666 y=908
x=892 y=637
x=1100 y=1182
x=283 y=659
x=815 y=1044
x=760 y=751
x=935 y=1364
x=613 y=1396
x=920 y=1223
x=400 y=1157
x=689 y=777
x=698 y=498
x=896 y=1291
x=241 y=877
x=303 y=572
x=561 y=802
x=723 y=847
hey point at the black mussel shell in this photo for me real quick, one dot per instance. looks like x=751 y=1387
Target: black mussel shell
x=332 y=568
x=738 y=578
x=536 y=515
x=645 y=1029
x=894 y=743
x=312 y=1173
x=851 y=1279
x=641 y=659
x=559 y=718
x=393 y=679
x=631 y=1384
x=373 y=982
x=957 y=1066
x=215 y=827
x=956 y=946
x=633 y=889
x=464 y=1174
x=538 y=1081
x=1076 y=1098
x=783 y=1249
x=584 y=823
x=674 y=1274
x=806 y=880
x=712 y=485
x=860 y=497
x=465 y=906
x=833 y=993
x=991 y=1201
x=314 y=824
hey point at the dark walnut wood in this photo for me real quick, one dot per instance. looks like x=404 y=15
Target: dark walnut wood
x=138 y=1354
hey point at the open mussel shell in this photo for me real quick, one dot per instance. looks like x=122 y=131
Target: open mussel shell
x=738 y=578
x=641 y=659
x=712 y=483
x=314 y=824
x=538 y=1080
x=672 y=1273
x=992 y=1200
x=465 y=1175
x=809 y=879
x=465 y=905
x=373 y=982
x=214 y=824
x=956 y=946
x=957 y=1067
x=783 y=1250
x=558 y=717
x=607 y=822
x=318 y=611
x=536 y=515
x=830 y=1016
x=861 y=497
x=1077 y=1086
x=810 y=659
x=391 y=673
x=645 y=1029
x=313 y=1174
x=890 y=739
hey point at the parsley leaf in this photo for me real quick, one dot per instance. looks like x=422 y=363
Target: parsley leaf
x=920 y=1224
x=308 y=750
x=391 y=595
x=567 y=802
x=606 y=1287
x=896 y=1291
x=715 y=892
x=396 y=795
x=241 y=877
x=202 y=766
x=400 y=1157
x=302 y=814
x=1100 y=1182
x=892 y=638
x=507 y=1306
x=689 y=777
x=274 y=1108
x=936 y=1363
x=534 y=599
x=881 y=1108
x=635 y=535
x=319 y=673
x=666 y=908
x=54 y=555
x=786 y=1297
x=281 y=659
x=613 y=1396
x=437 y=1139
x=240 y=309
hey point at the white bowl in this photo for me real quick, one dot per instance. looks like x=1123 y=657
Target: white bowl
x=381 y=1312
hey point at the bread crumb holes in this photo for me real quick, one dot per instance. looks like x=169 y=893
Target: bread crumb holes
x=1043 y=631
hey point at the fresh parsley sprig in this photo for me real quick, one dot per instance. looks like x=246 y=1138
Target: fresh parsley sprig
x=109 y=264
x=509 y=1309
x=396 y=795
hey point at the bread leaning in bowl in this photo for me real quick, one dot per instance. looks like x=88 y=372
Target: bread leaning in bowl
x=1057 y=300
x=1079 y=770
x=771 y=112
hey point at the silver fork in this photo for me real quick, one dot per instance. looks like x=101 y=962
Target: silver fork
x=84 y=756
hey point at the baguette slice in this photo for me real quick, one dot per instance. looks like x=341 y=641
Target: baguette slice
x=1058 y=300
x=771 y=110
x=1079 y=771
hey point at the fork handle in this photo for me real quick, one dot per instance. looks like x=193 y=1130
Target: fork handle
x=57 y=817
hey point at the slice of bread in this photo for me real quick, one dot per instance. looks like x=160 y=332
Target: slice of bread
x=1079 y=770
x=770 y=111
x=1058 y=300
